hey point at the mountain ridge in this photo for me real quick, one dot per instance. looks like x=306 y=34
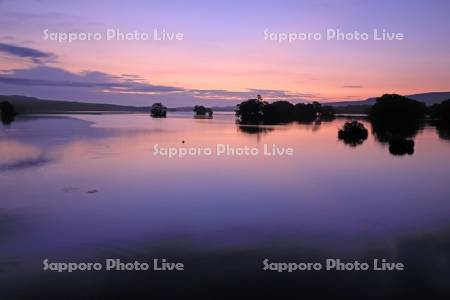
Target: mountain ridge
x=33 y=105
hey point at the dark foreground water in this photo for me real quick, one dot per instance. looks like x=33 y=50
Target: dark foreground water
x=84 y=188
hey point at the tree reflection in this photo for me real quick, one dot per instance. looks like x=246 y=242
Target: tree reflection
x=443 y=131
x=441 y=116
x=250 y=129
x=401 y=147
x=384 y=132
x=396 y=120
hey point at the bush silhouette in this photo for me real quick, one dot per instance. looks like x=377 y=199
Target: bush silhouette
x=8 y=112
x=353 y=133
x=158 y=110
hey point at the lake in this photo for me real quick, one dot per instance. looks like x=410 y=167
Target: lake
x=88 y=187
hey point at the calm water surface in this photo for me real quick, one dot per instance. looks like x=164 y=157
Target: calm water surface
x=83 y=185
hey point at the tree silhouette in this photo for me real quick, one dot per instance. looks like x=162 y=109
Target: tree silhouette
x=353 y=133
x=8 y=112
x=397 y=118
x=327 y=113
x=278 y=112
x=440 y=113
x=200 y=110
x=395 y=108
x=306 y=113
x=257 y=111
x=251 y=111
x=158 y=110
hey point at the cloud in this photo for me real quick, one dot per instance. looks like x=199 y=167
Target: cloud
x=35 y=55
x=131 y=84
x=56 y=77
x=8 y=38
x=352 y=86
x=271 y=95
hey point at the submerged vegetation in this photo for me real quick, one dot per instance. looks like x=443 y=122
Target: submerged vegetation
x=257 y=111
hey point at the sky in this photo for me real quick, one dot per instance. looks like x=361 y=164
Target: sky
x=229 y=51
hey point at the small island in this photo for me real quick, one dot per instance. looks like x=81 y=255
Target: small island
x=8 y=112
x=353 y=133
x=158 y=110
x=201 y=112
x=257 y=111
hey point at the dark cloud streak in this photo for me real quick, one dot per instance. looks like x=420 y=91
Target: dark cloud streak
x=352 y=86
x=35 y=55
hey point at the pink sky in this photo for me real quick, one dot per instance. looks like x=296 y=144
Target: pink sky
x=224 y=55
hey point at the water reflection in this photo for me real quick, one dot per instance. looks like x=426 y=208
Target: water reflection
x=255 y=129
x=400 y=146
x=443 y=130
x=220 y=215
x=236 y=272
x=7 y=120
x=312 y=125
x=385 y=132
x=399 y=135
x=15 y=155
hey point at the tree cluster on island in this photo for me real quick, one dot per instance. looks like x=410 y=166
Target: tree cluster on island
x=257 y=111
x=353 y=133
x=396 y=120
x=8 y=112
x=158 y=110
x=201 y=111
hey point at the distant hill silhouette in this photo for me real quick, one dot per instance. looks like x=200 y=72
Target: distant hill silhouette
x=30 y=105
x=362 y=106
x=427 y=98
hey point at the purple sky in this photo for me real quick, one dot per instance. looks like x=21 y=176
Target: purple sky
x=223 y=57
